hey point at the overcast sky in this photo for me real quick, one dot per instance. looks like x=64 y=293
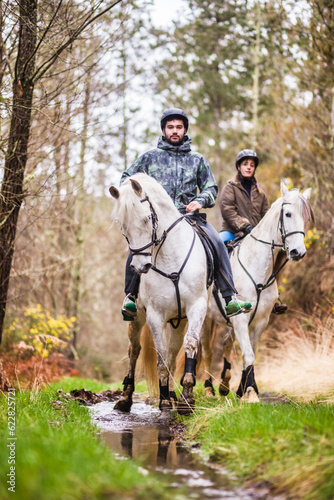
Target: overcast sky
x=165 y=11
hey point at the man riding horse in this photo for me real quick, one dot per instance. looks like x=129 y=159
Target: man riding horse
x=189 y=181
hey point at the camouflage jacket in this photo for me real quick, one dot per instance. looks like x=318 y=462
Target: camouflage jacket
x=185 y=175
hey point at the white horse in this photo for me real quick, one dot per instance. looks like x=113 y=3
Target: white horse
x=255 y=265
x=171 y=259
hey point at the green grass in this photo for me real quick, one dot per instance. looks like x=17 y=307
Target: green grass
x=291 y=446
x=58 y=454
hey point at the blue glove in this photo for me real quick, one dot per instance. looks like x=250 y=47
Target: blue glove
x=248 y=229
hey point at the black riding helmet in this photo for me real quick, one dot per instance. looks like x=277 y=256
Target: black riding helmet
x=174 y=114
x=246 y=153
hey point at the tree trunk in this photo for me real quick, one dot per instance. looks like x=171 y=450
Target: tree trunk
x=256 y=78
x=11 y=194
x=79 y=216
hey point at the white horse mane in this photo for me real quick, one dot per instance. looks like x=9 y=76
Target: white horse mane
x=128 y=207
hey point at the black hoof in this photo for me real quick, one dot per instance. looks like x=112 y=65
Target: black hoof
x=184 y=406
x=223 y=390
x=123 y=405
x=165 y=404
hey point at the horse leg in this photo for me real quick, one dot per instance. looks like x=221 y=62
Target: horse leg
x=247 y=390
x=159 y=333
x=224 y=386
x=125 y=402
x=175 y=344
x=207 y=334
x=195 y=314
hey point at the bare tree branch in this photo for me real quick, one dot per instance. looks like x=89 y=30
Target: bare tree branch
x=89 y=20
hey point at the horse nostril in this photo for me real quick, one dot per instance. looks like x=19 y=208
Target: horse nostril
x=146 y=268
x=295 y=255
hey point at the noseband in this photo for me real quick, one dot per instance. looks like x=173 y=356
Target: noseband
x=283 y=232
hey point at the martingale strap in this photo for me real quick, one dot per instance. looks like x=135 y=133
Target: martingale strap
x=175 y=277
x=259 y=287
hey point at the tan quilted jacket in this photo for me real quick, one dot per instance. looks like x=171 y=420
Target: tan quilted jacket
x=240 y=210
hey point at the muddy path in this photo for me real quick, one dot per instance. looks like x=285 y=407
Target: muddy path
x=159 y=448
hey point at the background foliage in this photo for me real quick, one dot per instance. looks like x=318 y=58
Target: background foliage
x=249 y=74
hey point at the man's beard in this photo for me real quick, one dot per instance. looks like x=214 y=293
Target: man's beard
x=175 y=143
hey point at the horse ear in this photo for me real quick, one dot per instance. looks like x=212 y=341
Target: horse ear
x=307 y=193
x=114 y=192
x=136 y=187
x=284 y=189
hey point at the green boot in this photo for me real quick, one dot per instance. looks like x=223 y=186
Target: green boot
x=236 y=306
x=129 y=308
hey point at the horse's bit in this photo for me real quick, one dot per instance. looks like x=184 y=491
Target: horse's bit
x=284 y=235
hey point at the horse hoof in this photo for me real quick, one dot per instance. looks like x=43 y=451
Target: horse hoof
x=123 y=405
x=223 y=389
x=224 y=386
x=165 y=404
x=209 y=392
x=250 y=396
x=184 y=406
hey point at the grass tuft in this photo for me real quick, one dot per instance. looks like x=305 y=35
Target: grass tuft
x=58 y=454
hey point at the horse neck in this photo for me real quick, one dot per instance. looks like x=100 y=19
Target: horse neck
x=177 y=242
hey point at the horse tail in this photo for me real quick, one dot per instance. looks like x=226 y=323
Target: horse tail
x=149 y=361
x=213 y=334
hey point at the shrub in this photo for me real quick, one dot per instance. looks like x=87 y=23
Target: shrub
x=38 y=332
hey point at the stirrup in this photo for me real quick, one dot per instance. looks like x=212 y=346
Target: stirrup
x=236 y=307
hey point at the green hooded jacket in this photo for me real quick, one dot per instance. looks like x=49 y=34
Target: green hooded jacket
x=185 y=175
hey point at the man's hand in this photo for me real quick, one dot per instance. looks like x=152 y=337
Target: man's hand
x=193 y=205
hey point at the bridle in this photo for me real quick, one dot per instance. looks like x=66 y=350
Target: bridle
x=154 y=240
x=284 y=235
x=158 y=242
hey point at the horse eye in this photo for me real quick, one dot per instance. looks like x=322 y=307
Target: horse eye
x=288 y=214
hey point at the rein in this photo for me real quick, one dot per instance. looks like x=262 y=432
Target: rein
x=259 y=287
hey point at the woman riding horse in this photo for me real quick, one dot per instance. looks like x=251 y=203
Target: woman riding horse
x=243 y=203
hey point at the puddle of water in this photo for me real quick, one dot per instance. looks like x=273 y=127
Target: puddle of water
x=139 y=435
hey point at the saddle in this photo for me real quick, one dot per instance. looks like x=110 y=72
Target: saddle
x=232 y=244
x=212 y=261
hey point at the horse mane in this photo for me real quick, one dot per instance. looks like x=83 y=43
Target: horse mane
x=307 y=212
x=128 y=207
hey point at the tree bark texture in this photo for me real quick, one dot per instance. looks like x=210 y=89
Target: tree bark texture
x=11 y=194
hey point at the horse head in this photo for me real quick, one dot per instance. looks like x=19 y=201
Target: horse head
x=143 y=209
x=295 y=213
